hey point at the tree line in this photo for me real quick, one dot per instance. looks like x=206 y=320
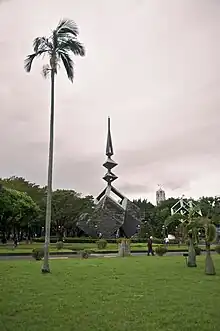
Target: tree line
x=154 y=218
x=23 y=208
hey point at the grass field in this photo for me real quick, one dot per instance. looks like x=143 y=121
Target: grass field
x=27 y=248
x=136 y=293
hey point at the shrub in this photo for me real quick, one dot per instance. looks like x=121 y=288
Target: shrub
x=160 y=250
x=198 y=250
x=85 y=254
x=217 y=249
x=59 y=245
x=120 y=240
x=87 y=240
x=38 y=253
x=102 y=243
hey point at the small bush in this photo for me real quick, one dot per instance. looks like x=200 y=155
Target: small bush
x=59 y=245
x=38 y=254
x=198 y=250
x=87 y=240
x=217 y=249
x=160 y=250
x=102 y=243
x=120 y=240
x=157 y=241
x=85 y=254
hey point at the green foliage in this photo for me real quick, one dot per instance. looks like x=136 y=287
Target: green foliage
x=59 y=245
x=17 y=211
x=210 y=233
x=85 y=254
x=72 y=240
x=67 y=205
x=217 y=249
x=38 y=254
x=198 y=250
x=33 y=190
x=160 y=250
x=102 y=243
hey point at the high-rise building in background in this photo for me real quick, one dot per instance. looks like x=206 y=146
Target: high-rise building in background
x=160 y=196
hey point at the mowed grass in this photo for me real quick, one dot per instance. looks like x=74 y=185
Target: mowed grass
x=117 y=294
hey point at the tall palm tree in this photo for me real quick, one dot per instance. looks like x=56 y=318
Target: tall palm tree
x=58 y=47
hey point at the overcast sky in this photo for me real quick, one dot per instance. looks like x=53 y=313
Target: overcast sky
x=151 y=65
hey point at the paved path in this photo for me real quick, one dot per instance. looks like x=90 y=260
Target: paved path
x=63 y=257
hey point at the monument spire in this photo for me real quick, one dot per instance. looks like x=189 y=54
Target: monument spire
x=109 y=147
x=109 y=163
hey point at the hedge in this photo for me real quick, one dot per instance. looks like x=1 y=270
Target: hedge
x=84 y=240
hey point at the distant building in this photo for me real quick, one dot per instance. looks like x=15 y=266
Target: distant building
x=160 y=195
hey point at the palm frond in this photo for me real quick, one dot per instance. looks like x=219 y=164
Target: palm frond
x=67 y=26
x=174 y=218
x=68 y=64
x=72 y=45
x=169 y=221
x=29 y=59
x=41 y=43
x=46 y=71
x=204 y=221
x=211 y=233
x=28 y=62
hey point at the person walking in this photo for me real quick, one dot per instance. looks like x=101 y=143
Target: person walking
x=150 y=246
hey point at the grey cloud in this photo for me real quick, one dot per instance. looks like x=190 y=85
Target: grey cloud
x=158 y=79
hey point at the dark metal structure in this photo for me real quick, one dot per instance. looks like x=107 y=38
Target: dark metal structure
x=111 y=217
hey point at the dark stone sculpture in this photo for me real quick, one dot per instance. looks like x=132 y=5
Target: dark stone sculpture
x=110 y=217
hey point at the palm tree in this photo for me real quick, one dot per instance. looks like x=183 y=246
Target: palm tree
x=58 y=47
x=188 y=230
x=210 y=236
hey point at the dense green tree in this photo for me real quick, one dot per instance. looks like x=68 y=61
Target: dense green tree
x=189 y=230
x=210 y=207
x=67 y=205
x=18 y=213
x=36 y=192
x=148 y=211
x=58 y=48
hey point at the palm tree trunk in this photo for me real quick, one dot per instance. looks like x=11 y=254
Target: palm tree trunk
x=192 y=254
x=209 y=265
x=46 y=267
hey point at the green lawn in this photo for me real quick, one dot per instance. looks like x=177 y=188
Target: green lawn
x=114 y=294
x=27 y=248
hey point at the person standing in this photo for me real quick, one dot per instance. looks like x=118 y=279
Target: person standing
x=150 y=246
x=15 y=240
x=167 y=242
